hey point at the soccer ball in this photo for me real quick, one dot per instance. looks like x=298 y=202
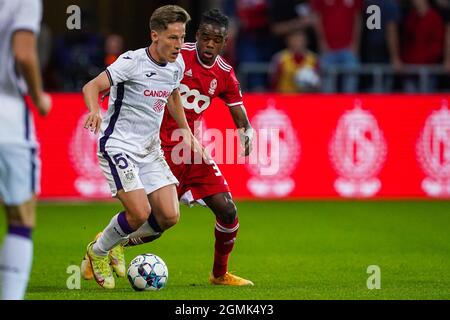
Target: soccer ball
x=147 y=272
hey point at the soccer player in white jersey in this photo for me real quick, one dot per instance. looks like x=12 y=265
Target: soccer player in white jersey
x=19 y=149
x=142 y=82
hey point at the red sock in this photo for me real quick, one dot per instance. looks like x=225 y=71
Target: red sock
x=225 y=237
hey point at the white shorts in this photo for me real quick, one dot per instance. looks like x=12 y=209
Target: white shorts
x=131 y=172
x=20 y=171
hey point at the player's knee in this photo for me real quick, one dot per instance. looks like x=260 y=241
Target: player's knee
x=137 y=217
x=170 y=218
x=228 y=214
x=21 y=216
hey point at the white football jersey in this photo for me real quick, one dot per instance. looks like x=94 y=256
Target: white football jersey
x=16 y=122
x=139 y=92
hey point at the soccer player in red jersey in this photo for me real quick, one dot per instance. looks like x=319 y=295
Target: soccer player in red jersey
x=207 y=76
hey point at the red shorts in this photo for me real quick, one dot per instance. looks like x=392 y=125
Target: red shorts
x=197 y=181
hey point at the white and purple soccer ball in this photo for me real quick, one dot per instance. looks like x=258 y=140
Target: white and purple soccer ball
x=147 y=272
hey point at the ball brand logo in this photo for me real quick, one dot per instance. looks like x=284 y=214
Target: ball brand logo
x=212 y=87
x=83 y=155
x=286 y=153
x=357 y=151
x=193 y=99
x=433 y=153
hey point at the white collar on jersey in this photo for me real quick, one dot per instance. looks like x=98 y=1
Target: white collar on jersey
x=200 y=60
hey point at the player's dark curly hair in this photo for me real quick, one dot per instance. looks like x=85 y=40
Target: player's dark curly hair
x=214 y=16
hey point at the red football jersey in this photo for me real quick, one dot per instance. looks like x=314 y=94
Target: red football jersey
x=200 y=84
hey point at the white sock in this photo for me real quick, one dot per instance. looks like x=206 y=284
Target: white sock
x=144 y=231
x=116 y=232
x=16 y=258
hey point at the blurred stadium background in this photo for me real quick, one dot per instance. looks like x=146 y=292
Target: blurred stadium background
x=364 y=153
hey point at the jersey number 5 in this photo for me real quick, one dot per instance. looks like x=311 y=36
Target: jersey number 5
x=120 y=161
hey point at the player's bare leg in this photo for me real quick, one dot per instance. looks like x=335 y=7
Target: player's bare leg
x=166 y=208
x=17 y=251
x=226 y=229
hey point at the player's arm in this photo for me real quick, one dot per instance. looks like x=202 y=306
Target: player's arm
x=246 y=134
x=233 y=99
x=90 y=93
x=24 y=49
x=176 y=110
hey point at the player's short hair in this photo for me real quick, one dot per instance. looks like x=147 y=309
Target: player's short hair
x=165 y=15
x=214 y=16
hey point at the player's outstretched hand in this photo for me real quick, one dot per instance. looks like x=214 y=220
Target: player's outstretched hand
x=93 y=121
x=44 y=104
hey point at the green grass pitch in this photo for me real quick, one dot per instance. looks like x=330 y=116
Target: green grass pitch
x=291 y=250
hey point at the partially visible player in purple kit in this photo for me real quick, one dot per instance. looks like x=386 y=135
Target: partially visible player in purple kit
x=19 y=149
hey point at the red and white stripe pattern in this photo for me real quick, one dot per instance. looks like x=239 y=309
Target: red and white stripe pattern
x=190 y=46
x=223 y=229
x=223 y=65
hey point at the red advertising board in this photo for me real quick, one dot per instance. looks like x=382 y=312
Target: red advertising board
x=308 y=146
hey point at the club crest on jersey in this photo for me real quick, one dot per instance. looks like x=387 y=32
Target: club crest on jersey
x=433 y=153
x=129 y=175
x=212 y=87
x=175 y=76
x=357 y=151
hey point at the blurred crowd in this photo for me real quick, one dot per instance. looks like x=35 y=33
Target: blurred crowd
x=297 y=44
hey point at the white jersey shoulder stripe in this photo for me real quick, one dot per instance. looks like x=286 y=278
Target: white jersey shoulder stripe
x=225 y=63
x=223 y=67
